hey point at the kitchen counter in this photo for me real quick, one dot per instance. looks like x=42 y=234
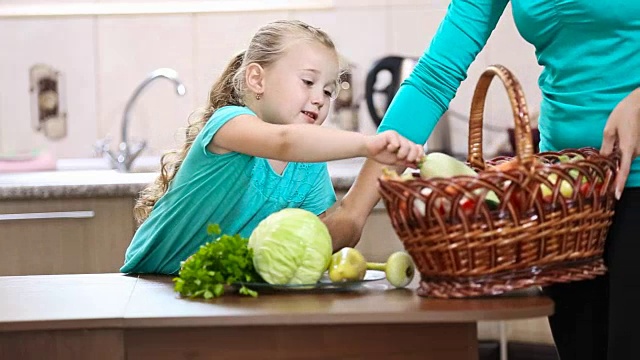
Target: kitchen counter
x=114 y=316
x=82 y=179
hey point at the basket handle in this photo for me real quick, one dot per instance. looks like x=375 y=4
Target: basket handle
x=524 y=146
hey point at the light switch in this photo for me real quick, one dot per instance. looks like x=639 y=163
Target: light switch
x=48 y=108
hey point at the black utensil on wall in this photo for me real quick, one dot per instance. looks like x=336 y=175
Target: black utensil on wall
x=378 y=97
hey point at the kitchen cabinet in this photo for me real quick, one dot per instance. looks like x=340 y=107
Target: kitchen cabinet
x=378 y=240
x=64 y=236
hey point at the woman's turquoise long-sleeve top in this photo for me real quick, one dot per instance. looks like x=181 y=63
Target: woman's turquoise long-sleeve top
x=589 y=50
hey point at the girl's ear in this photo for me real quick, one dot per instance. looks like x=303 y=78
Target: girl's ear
x=254 y=78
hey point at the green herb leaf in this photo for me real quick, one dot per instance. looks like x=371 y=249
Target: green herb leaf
x=224 y=261
x=214 y=229
x=246 y=291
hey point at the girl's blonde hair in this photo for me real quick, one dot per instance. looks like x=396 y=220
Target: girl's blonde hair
x=267 y=46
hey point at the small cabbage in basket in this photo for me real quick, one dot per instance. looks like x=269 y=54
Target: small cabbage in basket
x=440 y=165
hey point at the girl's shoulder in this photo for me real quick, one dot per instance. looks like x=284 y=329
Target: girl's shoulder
x=226 y=113
x=220 y=117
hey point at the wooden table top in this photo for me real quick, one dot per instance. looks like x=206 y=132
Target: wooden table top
x=120 y=301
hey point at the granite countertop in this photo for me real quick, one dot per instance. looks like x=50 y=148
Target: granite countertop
x=92 y=178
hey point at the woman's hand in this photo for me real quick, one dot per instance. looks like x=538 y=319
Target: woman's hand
x=624 y=126
x=391 y=148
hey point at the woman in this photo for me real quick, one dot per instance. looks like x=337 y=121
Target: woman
x=590 y=97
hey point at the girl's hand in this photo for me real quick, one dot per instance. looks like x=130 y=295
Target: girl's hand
x=624 y=126
x=390 y=148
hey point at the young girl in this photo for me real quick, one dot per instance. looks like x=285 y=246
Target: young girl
x=257 y=148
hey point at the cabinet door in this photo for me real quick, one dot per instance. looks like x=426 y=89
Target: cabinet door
x=64 y=236
x=378 y=240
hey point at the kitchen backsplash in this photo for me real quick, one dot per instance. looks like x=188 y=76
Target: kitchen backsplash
x=103 y=58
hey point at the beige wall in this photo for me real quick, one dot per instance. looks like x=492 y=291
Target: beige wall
x=104 y=57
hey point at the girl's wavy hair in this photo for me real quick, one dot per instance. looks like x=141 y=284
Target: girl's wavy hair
x=266 y=47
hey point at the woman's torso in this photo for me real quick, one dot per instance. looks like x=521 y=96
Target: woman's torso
x=589 y=51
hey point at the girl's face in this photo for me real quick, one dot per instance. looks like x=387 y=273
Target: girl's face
x=299 y=86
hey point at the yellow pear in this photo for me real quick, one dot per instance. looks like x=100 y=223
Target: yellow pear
x=566 y=189
x=399 y=269
x=348 y=264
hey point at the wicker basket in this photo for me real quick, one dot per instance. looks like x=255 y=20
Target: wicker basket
x=465 y=245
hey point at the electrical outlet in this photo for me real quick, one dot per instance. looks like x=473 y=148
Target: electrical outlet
x=48 y=107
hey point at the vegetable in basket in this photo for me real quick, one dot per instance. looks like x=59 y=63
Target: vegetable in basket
x=457 y=167
x=440 y=165
x=566 y=189
x=437 y=164
x=291 y=246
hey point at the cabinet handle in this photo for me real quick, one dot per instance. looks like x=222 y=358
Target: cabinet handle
x=49 y=215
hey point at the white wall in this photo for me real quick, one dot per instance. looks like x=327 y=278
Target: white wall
x=104 y=57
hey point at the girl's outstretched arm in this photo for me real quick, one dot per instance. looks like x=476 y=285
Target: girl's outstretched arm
x=250 y=135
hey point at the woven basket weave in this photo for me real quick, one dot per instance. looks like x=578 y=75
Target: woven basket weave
x=465 y=245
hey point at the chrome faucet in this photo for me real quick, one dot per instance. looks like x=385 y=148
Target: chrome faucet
x=128 y=151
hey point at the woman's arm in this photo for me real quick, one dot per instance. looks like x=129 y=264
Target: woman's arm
x=425 y=95
x=420 y=102
x=250 y=135
x=346 y=219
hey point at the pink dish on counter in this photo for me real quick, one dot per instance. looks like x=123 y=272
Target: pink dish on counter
x=43 y=161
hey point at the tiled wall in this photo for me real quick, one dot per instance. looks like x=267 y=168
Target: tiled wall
x=104 y=57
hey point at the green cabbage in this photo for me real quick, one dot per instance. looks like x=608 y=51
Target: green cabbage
x=291 y=246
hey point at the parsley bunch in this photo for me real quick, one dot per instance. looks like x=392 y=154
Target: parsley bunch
x=225 y=261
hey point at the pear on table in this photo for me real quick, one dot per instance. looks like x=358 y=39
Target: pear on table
x=348 y=264
x=399 y=269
